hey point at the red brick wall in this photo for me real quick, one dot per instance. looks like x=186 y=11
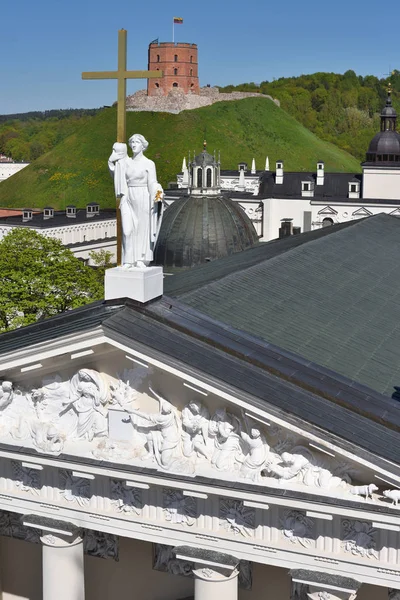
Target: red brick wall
x=168 y=57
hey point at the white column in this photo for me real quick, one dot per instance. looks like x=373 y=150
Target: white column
x=215 y=583
x=62 y=564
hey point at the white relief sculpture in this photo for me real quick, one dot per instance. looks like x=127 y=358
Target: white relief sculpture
x=195 y=422
x=393 y=495
x=74 y=489
x=255 y=454
x=88 y=399
x=179 y=509
x=163 y=432
x=140 y=194
x=236 y=518
x=125 y=392
x=26 y=479
x=126 y=499
x=299 y=591
x=47 y=438
x=300 y=466
x=364 y=490
x=224 y=429
x=11 y=526
x=298 y=528
x=6 y=394
x=100 y=544
x=359 y=538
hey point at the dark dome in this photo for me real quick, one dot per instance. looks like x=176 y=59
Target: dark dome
x=204 y=159
x=385 y=142
x=198 y=229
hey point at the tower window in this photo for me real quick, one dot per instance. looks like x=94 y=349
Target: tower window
x=158 y=58
x=191 y=59
x=175 y=84
x=157 y=85
x=200 y=178
x=208 y=177
x=191 y=72
x=176 y=58
x=175 y=71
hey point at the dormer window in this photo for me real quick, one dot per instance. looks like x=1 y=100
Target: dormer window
x=71 y=211
x=48 y=212
x=92 y=209
x=242 y=167
x=307 y=187
x=354 y=188
x=27 y=215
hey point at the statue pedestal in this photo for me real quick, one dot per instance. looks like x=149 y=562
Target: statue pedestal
x=141 y=285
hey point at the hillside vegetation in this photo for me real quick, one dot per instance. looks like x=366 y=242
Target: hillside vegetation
x=75 y=171
x=342 y=109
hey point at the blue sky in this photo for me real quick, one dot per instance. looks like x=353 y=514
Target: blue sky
x=47 y=44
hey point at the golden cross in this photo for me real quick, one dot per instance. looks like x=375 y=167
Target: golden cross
x=121 y=75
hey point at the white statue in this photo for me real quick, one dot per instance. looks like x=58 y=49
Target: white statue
x=163 y=438
x=6 y=394
x=195 y=420
x=141 y=206
x=256 y=456
x=224 y=428
x=88 y=397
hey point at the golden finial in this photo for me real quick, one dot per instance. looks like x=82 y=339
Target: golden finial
x=205 y=145
x=389 y=88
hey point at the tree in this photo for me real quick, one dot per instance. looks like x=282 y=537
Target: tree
x=40 y=278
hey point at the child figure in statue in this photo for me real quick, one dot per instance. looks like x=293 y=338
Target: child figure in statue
x=141 y=205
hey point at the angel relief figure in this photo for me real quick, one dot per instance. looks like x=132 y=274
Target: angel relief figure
x=224 y=428
x=88 y=399
x=162 y=431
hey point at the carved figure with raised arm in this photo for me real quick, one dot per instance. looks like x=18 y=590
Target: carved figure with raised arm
x=88 y=397
x=141 y=206
x=225 y=430
x=163 y=439
x=6 y=394
x=257 y=451
x=195 y=421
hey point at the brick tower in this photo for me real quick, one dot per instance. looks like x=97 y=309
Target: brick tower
x=178 y=62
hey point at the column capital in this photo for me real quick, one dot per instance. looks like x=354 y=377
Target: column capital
x=324 y=586
x=209 y=564
x=55 y=532
x=57 y=540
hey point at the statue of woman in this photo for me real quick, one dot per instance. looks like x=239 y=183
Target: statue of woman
x=141 y=206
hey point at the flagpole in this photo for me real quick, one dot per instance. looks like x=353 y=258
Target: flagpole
x=173 y=30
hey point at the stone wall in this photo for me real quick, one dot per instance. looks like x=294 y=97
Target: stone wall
x=176 y=100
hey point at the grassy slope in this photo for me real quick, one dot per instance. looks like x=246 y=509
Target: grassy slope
x=75 y=171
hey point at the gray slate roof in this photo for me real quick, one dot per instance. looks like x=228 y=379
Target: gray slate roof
x=333 y=299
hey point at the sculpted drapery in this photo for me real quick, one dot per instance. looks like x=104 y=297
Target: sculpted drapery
x=140 y=194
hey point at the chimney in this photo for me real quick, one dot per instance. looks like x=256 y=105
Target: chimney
x=286 y=228
x=279 y=172
x=267 y=164
x=253 y=167
x=48 y=212
x=320 y=172
x=27 y=215
x=242 y=183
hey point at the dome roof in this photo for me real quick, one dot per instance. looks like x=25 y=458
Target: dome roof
x=199 y=229
x=203 y=159
x=385 y=142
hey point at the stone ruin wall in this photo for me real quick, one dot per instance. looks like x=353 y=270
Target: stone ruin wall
x=177 y=101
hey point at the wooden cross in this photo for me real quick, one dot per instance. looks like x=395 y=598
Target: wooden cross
x=121 y=75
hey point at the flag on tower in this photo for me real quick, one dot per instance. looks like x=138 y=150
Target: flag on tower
x=178 y=20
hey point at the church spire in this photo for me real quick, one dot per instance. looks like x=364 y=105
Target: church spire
x=388 y=114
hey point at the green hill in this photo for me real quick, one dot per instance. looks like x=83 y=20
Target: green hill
x=75 y=171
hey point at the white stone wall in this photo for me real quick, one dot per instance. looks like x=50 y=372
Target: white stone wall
x=9 y=169
x=381 y=183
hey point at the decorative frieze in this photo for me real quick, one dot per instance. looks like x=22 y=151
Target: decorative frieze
x=298 y=529
x=359 y=538
x=236 y=518
x=179 y=509
x=126 y=499
x=74 y=489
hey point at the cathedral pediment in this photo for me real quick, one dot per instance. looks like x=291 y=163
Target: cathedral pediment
x=100 y=398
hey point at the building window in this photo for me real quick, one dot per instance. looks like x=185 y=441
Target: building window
x=199 y=178
x=175 y=84
x=327 y=222
x=192 y=85
x=191 y=72
x=353 y=187
x=106 y=234
x=158 y=58
x=176 y=58
x=175 y=71
x=209 y=176
x=306 y=187
x=157 y=85
x=191 y=59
